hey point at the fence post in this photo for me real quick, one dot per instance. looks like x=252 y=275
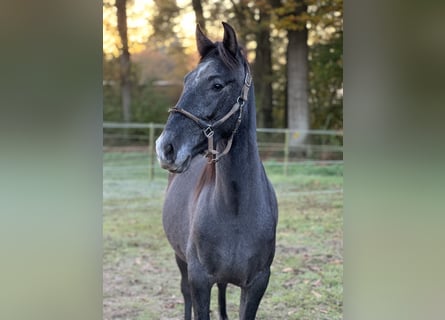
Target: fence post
x=151 y=171
x=286 y=151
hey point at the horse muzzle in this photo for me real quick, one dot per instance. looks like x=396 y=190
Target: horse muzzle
x=171 y=158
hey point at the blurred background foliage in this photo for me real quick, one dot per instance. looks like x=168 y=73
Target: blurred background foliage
x=161 y=50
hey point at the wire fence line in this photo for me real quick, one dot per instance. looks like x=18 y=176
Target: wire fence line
x=328 y=142
x=326 y=149
x=132 y=125
x=140 y=125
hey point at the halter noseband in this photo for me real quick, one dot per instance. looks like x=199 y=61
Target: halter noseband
x=211 y=154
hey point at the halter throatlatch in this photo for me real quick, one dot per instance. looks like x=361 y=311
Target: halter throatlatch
x=211 y=154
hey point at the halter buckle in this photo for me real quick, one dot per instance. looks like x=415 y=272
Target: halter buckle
x=208 y=132
x=240 y=100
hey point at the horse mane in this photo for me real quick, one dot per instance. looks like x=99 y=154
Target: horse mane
x=208 y=176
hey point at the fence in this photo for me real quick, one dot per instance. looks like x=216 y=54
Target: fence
x=321 y=147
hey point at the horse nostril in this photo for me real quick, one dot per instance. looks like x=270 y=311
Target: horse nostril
x=169 y=151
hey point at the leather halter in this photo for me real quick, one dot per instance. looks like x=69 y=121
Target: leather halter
x=211 y=154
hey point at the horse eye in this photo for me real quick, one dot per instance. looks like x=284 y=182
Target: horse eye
x=218 y=86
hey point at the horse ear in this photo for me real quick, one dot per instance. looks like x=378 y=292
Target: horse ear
x=229 y=40
x=203 y=43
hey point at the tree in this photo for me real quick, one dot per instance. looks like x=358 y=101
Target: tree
x=163 y=21
x=295 y=16
x=262 y=69
x=199 y=14
x=305 y=33
x=297 y=77
x=124 y=59
x=292 y=17
x=326 y=65
x=325 y=79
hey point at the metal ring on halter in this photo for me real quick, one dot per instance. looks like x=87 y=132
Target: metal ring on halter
x=208 y=132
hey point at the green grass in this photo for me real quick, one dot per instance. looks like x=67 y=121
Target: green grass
x=141 y=280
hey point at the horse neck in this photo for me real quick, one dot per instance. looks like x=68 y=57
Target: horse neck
x=241 y=168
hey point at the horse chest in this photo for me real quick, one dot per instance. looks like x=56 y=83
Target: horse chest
x=230 y=249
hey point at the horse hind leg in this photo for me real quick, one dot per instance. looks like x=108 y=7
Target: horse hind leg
x=185 y=288
x=252 y=295
x=222 y=301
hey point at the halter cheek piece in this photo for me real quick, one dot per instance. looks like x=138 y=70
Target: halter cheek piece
x=211 y=154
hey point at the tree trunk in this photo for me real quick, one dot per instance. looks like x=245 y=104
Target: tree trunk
x=124 y=60
x=199 y=15
x=297 y=85
x=262 y=71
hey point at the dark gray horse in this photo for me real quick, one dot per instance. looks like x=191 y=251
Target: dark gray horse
x=220 y=211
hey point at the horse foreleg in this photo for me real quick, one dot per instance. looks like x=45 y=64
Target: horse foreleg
x=222 y=301
x=185 y=289
x=252 y=295
x=200 y=288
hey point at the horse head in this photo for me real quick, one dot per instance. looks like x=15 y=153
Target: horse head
x=210 y=107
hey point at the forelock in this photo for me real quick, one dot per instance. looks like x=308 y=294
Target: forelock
x=226 y=57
